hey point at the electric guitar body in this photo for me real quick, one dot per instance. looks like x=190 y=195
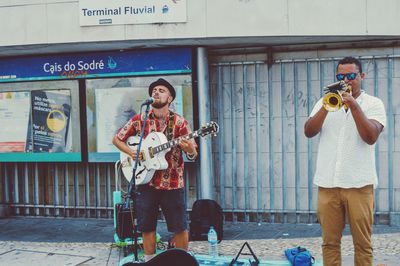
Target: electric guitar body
x=153 y=149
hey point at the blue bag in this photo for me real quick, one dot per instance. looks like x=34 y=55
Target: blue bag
x=299 y=256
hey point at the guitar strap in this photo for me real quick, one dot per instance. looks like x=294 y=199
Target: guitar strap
x=170 y=132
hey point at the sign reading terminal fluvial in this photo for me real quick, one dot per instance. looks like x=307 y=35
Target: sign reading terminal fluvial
x=105 y=12
x=118 y=11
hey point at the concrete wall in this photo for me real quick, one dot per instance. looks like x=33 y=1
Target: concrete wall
x=57 y=21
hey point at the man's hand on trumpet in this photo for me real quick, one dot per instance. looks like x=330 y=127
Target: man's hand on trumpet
x=347 y=99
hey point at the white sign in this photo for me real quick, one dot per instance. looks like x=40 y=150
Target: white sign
x=112 y=12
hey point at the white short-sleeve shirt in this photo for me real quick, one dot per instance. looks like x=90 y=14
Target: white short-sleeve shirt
x=344 y=159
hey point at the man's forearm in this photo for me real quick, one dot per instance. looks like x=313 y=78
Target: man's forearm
x=368 y=129
x=121 y=146
x=314 y=124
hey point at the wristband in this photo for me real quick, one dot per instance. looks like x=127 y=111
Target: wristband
x=191 y=156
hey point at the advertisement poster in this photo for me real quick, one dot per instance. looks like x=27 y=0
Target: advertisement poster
x=14 y=117
x=50 y=121
x=115 y=106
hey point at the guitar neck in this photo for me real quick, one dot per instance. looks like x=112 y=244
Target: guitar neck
x=174 y=142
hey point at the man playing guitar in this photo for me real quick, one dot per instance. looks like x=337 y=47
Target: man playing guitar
x=165 y=189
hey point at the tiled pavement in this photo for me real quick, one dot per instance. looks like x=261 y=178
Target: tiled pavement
x=61 y=241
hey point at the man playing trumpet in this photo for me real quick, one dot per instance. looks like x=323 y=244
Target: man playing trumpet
x=345 y=171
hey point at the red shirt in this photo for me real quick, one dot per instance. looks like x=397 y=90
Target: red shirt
x=172 y=177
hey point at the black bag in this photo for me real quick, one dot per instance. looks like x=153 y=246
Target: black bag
x=205 y=213
x=124 y=222
x=175 y=257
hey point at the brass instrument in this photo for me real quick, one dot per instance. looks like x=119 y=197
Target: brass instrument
x=332 y=100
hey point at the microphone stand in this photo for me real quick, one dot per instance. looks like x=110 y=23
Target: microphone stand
x=132 y=186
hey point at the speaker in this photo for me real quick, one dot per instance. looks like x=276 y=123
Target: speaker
x=124 y=222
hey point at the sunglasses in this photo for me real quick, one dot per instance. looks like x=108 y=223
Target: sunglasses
x=349 y=76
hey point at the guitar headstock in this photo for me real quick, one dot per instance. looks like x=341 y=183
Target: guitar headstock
x=209 y=128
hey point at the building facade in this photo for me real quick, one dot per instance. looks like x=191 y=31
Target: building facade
x=256 y=67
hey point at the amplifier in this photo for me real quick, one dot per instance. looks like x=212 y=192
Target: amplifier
x=124 y=222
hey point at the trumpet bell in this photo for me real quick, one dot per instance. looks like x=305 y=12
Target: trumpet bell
x=332 y=102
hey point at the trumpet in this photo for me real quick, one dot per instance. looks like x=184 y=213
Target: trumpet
x=332 y=100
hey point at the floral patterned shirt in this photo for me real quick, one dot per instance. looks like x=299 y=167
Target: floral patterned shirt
x=172 y=177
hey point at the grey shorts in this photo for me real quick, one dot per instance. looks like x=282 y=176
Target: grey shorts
x=172 y=203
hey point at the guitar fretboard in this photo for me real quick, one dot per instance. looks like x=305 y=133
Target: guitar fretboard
x=174 y=142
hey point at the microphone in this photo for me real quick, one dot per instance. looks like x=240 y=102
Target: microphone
x=148 y=101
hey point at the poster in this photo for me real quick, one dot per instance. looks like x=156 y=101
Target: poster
x=115 y=106
x=14 y=117
x=49 y=121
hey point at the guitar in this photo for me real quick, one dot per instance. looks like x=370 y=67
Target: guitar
x=154 y=147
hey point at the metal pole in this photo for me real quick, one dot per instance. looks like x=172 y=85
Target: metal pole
x=246 y=143
x=26 y=187
x=16 y=186
x=204 y=117
x=76 y=189
x=36 y=190
x=66 y=190
x=221 y=150
x=56 y=194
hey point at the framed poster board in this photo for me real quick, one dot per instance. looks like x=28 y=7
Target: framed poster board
x=39 y=121
x=112 y=102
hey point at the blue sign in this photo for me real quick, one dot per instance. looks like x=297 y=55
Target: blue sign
x=101 y=64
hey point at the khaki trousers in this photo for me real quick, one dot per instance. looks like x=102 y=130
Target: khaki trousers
x=334 y=205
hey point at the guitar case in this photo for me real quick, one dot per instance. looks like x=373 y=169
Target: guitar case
x=170 y=257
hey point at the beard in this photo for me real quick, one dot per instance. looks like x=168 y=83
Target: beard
x=159 y=105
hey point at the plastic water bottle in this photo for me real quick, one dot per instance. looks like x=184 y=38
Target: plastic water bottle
x=212 y=242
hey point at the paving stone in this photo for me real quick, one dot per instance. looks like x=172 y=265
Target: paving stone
x=33 y=241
